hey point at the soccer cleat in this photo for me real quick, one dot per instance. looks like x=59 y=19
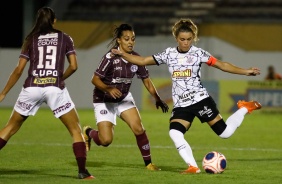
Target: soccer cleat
x=192 y=170
x=87 y=139
x=251 y=105
x=152 y=167
x=85 y=175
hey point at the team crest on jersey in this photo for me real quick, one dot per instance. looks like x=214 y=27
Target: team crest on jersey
x=104 y=112
x=146 y=147
x=134 y=68
x=189 y=60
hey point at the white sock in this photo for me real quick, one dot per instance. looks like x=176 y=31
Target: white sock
x=183 y=147
x=233 y=122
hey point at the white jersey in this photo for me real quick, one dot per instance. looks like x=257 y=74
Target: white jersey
x=187 y=88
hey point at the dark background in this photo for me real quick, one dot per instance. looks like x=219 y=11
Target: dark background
x=12 y=16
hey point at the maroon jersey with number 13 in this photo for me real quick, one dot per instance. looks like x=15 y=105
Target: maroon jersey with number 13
x=46 y=54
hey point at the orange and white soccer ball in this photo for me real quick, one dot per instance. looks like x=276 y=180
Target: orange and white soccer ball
x=214 y=162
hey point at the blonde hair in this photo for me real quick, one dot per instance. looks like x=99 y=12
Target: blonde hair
x=185 y=25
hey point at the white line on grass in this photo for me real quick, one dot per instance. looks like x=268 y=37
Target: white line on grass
x=155 y=147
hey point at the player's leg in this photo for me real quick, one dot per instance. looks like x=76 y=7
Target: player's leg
x=14 y=124
x=177 y=130
x=71 y=121
x=105 y=120
x=63 y=108
x=227 y=129
x=132 y=118
x=27 y=104
x=129 y=113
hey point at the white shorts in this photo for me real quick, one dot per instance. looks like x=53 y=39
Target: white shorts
x=31 y=98
x=109 y=111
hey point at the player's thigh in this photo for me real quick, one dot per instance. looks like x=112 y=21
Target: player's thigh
x=70 y=120
x=132 y=118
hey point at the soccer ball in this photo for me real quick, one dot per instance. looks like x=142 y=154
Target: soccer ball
x=214 y=162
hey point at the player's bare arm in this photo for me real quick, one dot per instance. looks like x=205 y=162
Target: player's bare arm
x=114 y=92
x=14 y=77
x=138 y=60
x=72 y=66
x=230 y=68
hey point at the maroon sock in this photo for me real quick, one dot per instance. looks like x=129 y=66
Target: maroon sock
x=79 y=150
x=94 y=135
x=2 y=143
x=144 y=147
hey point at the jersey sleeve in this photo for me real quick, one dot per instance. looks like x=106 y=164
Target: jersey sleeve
x=103 y=66
x=142 y=72
x=206 y=57
x=162 y=57
x=69 y=45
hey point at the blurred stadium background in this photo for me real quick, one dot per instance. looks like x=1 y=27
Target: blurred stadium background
x=244 y=32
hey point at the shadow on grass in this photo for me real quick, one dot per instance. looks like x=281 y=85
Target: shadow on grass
x=119 y=165
x=32 y=172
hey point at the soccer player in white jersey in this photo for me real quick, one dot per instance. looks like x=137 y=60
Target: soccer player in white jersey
x=45 y=48
x=190 y=97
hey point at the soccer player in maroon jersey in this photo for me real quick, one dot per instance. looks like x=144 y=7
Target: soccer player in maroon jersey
x=46 y=48
x=111 y=97
x=190 y=97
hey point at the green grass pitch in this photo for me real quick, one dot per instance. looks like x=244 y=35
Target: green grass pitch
x=41 y=152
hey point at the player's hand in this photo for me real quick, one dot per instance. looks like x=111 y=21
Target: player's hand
x=116 y=52
x=253 y=72
x=114 y=92
x=163 y=105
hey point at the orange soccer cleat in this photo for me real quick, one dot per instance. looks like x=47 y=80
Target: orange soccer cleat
x=192 y=170
x=251 y=105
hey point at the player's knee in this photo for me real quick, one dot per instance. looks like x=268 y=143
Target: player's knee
x=177 y=126
x=219 y=127
x=138 y=130
x=106 y=141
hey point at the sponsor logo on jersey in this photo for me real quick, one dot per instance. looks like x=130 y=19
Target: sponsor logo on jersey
x=23 y=105
x=47 y=41
x=187 y=96
x=122 y=80
x=182 y=74
x=46 y=80
x=62 y=108
x=206 y=110
x=118 y=68
x=42 y=73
